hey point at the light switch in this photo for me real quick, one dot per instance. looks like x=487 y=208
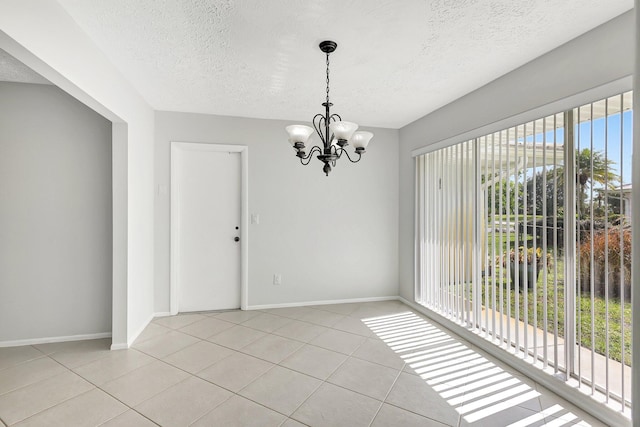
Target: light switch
x=255 y=218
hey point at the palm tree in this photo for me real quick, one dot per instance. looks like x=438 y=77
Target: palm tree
x=591 y=168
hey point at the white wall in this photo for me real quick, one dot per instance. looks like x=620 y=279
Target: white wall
x=598 y=57
x=43 y=36
x=330 y=237
x=55 y=215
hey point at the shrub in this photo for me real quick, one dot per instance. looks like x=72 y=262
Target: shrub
x=619 y=263
x=510 y=258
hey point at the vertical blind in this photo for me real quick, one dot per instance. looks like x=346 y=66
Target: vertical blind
x=524 y=235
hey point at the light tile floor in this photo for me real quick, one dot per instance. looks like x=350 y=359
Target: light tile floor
x=369 y=364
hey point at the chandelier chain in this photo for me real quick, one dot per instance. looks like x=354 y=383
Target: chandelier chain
x=327 y=78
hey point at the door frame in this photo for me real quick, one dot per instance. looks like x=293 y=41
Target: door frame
x=177 y=146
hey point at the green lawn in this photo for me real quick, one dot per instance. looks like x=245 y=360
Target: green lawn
x=512 y=217
x=584 y=329
x=507 y=242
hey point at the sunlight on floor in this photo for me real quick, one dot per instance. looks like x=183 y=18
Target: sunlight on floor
x=475 y=386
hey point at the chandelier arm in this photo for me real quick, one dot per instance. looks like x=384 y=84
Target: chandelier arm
x=308 y=156
x=342 y=150
x=334 y=150
x=317 y=121
x=337 y=151
x=334 y=118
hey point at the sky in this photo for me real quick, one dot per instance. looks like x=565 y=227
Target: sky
x=606 y=139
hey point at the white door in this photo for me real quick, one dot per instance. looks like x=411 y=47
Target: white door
x=206 y=197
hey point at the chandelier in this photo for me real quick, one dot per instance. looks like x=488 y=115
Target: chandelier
x=334 y=133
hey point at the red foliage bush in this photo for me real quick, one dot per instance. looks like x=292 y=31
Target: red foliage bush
x=607 y=250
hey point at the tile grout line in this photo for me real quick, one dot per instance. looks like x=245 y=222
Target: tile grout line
x=385 y=397
x=67 y=370
x=239 y=351
x=71 y=370
x=260 y=376
x=321 y=384
x=71 y=398
x=97 y=387
x=405 y=409
x=24 y=361
x=191 y=375
x=195 y=375
x=212 y=409
x=48 y=356
x=267 y=333
x=271 y=332
x=233 y=393
x=35 y=382
x=400 y=372
x=129 y=372
x=53 y=376
x=293 y=370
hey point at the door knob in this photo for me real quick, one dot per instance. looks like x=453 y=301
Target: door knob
x=236 y=239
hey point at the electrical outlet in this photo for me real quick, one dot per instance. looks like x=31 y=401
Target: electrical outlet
x=277 y=279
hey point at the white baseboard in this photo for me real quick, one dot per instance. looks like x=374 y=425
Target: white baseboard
x=405 y=301
x=47 y=340
x=163 y=314
x=135 y=335
x=323 y=302
x=122 y=346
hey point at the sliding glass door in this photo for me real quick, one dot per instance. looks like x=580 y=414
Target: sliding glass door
x=524 y=235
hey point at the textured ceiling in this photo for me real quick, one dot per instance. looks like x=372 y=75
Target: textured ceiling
x=12 y=70
x=396 y=60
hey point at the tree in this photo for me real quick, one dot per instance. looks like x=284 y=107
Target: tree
x=602 y=173
x=548 y=193
x=501 y=189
